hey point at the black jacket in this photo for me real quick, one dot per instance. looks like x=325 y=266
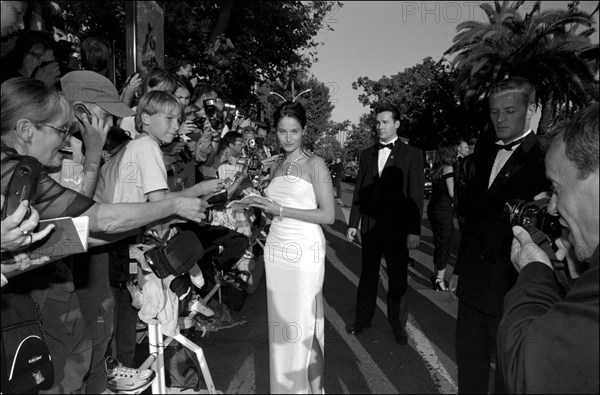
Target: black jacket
x=390 y=205
x=483 y=262
x=547 y=344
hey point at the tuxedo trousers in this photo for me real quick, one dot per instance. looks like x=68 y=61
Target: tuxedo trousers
x=475 y=346
x=396 y=258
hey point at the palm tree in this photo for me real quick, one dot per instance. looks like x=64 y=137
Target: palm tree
x=543 y=47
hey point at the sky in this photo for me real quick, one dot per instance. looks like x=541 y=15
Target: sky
x=382 y=38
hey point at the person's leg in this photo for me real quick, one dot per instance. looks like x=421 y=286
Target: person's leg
x=499 y=384
x=125 y=327
x=472 y=351
x=104 y=327
x=97 y=306
x=446 y=230
x=68 y=342
x=396 y=258
x=366 y=298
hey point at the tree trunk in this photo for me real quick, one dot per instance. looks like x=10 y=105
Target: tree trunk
x=546 y=117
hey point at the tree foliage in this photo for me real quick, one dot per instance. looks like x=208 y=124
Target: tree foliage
x=328 y=147
x=360 y=137
x=424 y=94
x=543 y=46
x=235 y=45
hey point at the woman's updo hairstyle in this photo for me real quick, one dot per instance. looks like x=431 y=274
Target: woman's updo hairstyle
x=292 y=110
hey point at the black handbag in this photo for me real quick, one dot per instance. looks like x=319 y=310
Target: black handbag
x=176 y=255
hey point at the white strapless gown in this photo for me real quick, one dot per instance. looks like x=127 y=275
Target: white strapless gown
x=295 y=268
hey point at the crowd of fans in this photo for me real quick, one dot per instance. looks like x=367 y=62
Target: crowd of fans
x=139 y=161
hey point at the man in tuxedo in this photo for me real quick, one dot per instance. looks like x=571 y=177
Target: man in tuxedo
x=388 y=203
x=511 y=168
x=548 y=341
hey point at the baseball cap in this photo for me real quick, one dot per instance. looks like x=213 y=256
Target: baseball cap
x=90 y=87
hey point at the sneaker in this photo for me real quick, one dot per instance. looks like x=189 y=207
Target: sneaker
x=123 y=379
x=198 y=306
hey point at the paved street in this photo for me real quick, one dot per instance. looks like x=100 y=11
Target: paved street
x=370 y=363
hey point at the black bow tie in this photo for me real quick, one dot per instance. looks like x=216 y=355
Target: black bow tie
x=510 y=146
x=388 y=145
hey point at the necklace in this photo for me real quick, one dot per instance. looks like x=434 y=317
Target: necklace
x=291 y=163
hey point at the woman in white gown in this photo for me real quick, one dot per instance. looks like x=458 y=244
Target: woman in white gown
x=300 y=198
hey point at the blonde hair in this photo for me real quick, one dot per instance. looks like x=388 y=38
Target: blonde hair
x=155 y=102
x=32 y=99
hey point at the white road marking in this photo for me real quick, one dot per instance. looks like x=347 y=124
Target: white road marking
x=442 y=379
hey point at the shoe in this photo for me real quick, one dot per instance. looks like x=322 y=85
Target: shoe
x=401 y=336
x=198 y=306
x=356 y=329
x=123 y=379
x=438 y=284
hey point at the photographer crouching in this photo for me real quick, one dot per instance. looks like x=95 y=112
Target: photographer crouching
x=548 y=336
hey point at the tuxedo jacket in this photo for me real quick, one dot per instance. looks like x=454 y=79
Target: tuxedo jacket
x=483 y=263
x=389 y=206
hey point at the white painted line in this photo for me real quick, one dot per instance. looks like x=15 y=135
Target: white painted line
x=422 y=345
x=376 y=379
x=244 y=381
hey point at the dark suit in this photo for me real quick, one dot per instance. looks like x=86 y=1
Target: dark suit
x=548 y=343
x=483 y=263
x=389 y=207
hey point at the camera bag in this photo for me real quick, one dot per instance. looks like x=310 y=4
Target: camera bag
x=176 y=255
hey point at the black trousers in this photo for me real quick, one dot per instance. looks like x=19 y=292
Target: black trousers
x=396 y=257
x=475 y=344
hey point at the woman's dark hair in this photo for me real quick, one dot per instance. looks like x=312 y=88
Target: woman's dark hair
x=158 y=76
x=184 y=82
x=95 y=54
x=291 y=110
x=444 y=156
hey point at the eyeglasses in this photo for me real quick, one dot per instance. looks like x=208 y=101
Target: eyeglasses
x=64 y=132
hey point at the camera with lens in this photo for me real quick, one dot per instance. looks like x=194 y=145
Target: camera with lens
x=534 y=214
x=186 y=154
x=213 y=114
x=199 y=122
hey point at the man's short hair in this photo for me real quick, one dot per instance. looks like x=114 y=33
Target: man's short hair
x=580 y=135
x=387 y=106
x=517 y=85
x=231 y=137
x=204 y=89
x=181 y=63
x=262 y=125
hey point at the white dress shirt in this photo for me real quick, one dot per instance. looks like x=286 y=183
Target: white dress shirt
x=384 y=154
x=502 y=157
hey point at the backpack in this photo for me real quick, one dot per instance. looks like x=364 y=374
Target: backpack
x=26 y=364
x=26 y=361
